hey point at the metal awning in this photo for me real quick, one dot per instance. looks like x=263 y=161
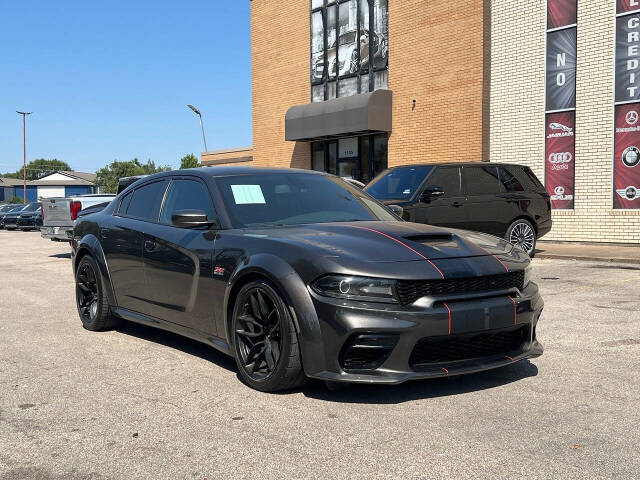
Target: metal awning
x=366 y=113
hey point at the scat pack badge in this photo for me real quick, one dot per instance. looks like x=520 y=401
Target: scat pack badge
x=219 y=271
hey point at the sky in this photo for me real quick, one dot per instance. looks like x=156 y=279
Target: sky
x=112 y=80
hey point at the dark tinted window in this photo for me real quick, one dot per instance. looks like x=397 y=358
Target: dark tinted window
x=481 y=180
x=525 y=177
x=124 y=203
x=145 y=202
x=398 y=184
x=534 y=179
x=186 y=195
x=509 y=182
x=296 y=198
x=448 y=178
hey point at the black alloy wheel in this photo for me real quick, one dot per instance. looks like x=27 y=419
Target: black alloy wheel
x=265 y=341
x=87 y=294
x=90 y=298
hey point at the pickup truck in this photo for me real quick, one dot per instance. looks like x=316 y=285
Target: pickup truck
x=59 y=214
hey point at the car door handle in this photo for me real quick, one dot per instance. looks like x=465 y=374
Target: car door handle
x=457 y=204
x=149 y=246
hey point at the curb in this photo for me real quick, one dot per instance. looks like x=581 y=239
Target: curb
x=558 y=256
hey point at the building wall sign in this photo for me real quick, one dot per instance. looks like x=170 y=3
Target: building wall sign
x=561 y=13
x=561 y=69
x=628 y=58
x=348 y=147
x=559 y=164
x=626 y=149
x=626 y=164
x=628 y=6
x=560 y=117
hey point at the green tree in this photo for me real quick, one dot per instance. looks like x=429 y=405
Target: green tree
x=107 y=177
x=15 y=199
x=189 y=161
x=40 y=167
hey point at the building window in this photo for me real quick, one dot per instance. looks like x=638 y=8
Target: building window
x=349 y=47
x=317 y=156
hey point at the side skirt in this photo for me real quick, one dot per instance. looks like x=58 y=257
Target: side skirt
x=213 y=341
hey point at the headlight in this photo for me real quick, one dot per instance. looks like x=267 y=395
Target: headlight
x=356 y=288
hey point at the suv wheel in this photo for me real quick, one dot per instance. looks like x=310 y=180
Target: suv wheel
x=90 y=297
x=264 y=339
x=522 y=234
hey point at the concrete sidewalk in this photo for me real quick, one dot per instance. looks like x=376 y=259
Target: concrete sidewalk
x=590 y=252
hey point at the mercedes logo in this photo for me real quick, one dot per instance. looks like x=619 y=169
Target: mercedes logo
x=631 y=117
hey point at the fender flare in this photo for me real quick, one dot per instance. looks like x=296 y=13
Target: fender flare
x=91 y=245
x=295 y=294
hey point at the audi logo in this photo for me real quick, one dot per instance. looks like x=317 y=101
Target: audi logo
x=565 y=157
x=559 y=190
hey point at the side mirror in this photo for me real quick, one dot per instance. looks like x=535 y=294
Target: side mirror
x=432 y=192
x=397 y=209
x=191 y=219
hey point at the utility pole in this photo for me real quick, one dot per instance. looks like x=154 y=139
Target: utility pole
x=197 y=112
x=24 y=151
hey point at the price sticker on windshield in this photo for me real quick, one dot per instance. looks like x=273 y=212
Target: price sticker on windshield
x=248 y=195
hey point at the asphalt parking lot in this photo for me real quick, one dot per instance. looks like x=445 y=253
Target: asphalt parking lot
x=140 y=403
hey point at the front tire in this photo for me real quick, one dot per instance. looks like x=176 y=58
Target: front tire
x=265 y=340
x=522 y=234
x=91 y=300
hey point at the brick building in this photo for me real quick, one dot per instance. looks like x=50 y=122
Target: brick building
x=355 y=86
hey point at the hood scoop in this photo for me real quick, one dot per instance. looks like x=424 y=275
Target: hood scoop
x=430 y=237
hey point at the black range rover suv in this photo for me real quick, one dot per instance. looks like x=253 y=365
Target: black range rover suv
x=504 y=200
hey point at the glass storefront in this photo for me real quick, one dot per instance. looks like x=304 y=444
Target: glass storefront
x=360 y=158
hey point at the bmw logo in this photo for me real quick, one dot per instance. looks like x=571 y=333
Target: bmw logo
x=631 y=157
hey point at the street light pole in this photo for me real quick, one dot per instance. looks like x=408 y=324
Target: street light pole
x=197 y=112
x=24 y=152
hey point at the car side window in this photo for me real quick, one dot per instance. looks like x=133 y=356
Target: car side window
x=448 y=178
x=124 y=203
x=481 y=180
x=145 y=201
x=186 y=195
x=509 y=182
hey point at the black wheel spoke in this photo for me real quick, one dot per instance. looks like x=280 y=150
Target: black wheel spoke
x=87 y=291
x=258 y=333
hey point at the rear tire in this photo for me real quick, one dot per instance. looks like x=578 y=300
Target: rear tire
x=91 y=299
x=522 y=234
x=265 y=342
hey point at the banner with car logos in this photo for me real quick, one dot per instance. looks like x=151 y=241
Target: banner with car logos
x=560 y=118
x=626 y=168
x=559 y=164
x=626 y=149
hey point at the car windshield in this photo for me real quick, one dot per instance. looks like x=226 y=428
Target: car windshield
x=32 y=207
x=294 y=199
x=5 y=208
x=20 y=208
x=399 y=183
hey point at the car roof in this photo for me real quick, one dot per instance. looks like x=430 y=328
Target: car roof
x=230 y=171
x=458 y=164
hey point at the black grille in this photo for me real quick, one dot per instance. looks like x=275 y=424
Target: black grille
x=410 y=290
x=454 y=348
